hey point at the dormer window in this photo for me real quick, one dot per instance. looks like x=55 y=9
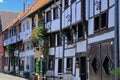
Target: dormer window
x=48 y=16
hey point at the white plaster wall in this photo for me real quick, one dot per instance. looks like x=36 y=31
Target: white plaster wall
x=104 y=5
x=65 y=61
x=111 y=2
x=59 y=51
x=73 y=12
x=111 y=17
x=87 y=9
x=90 y=26
x=73 y=65
x=78 y=11
x=96 y=11
x=91 y=8
x=48 y=26
x=51 y=51
x=105 y=36
x=69 y=52
x=55 y=25
x=81 y=46
x=56 y=67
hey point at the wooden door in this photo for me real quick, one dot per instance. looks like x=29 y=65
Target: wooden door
x=101 y=59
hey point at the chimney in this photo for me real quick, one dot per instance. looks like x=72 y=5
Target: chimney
x=26 y=5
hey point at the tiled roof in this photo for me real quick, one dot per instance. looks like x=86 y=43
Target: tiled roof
x=35 y=6
x=7 y=18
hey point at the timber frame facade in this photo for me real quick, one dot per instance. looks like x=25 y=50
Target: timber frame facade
x=86 y=49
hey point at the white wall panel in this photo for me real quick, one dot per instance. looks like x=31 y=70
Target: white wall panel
x=55 y=25
x=104 y=5
x=73 y=65
x=91 y=8
x=73 y=12
x=69 y=52
x=81 y=46
x=59 y=51
x=97 y=9
x=101 y=37
x=87 y=9
x=111 y=2
x=56 y=67
x=111 y=17
x=51 y=51
x=78 y=11
x=90 y=26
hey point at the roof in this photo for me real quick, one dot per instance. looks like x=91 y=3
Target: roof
x=7 y=18
x=35 y=6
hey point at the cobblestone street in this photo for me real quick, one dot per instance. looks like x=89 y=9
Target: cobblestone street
x=9 y=77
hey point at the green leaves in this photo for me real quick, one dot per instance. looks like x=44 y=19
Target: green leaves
x=9 y=50
x=117 y=72
x=38 y=33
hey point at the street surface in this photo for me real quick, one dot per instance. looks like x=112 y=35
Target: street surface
x=9 y=77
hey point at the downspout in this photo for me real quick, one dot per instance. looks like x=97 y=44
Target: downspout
x=116 y=38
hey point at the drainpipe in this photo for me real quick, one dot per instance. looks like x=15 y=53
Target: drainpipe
x=116 y=39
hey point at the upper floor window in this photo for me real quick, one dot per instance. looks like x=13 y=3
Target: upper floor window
x=15 y=30
x=59 y=41
x=23 y=27
x=100 y=22
x=28 y=25
x=80 y=30
x=66 y=3
x=55 y=13
x=48 y=16
x=52 y=40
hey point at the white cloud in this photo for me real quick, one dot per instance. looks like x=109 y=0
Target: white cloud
x=1 y=1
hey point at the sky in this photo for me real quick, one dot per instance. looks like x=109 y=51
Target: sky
x=13 y=5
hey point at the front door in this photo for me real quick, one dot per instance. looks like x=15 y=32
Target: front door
x=101 y=60
x=83 y=68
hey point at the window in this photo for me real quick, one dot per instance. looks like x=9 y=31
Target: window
x=55 y=12
x=80 y=30
x=59 y=41
x=48 y=16
x=51 y=63
x=100 y=22
x=52 y=40
x=23 y=27
x=15 y=30
x=69 y=64
x=33 y=23
x=28 y=25
x=69 y=35
x=59 y=65
x=96 y=23
x=66 y=3
x=103 y=20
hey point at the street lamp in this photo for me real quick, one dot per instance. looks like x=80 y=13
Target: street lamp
x=41 y=44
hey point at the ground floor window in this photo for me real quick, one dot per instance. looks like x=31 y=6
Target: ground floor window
x=59 y=65
x=69 y=64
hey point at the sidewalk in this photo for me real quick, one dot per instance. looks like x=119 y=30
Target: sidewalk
x=9 y=77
